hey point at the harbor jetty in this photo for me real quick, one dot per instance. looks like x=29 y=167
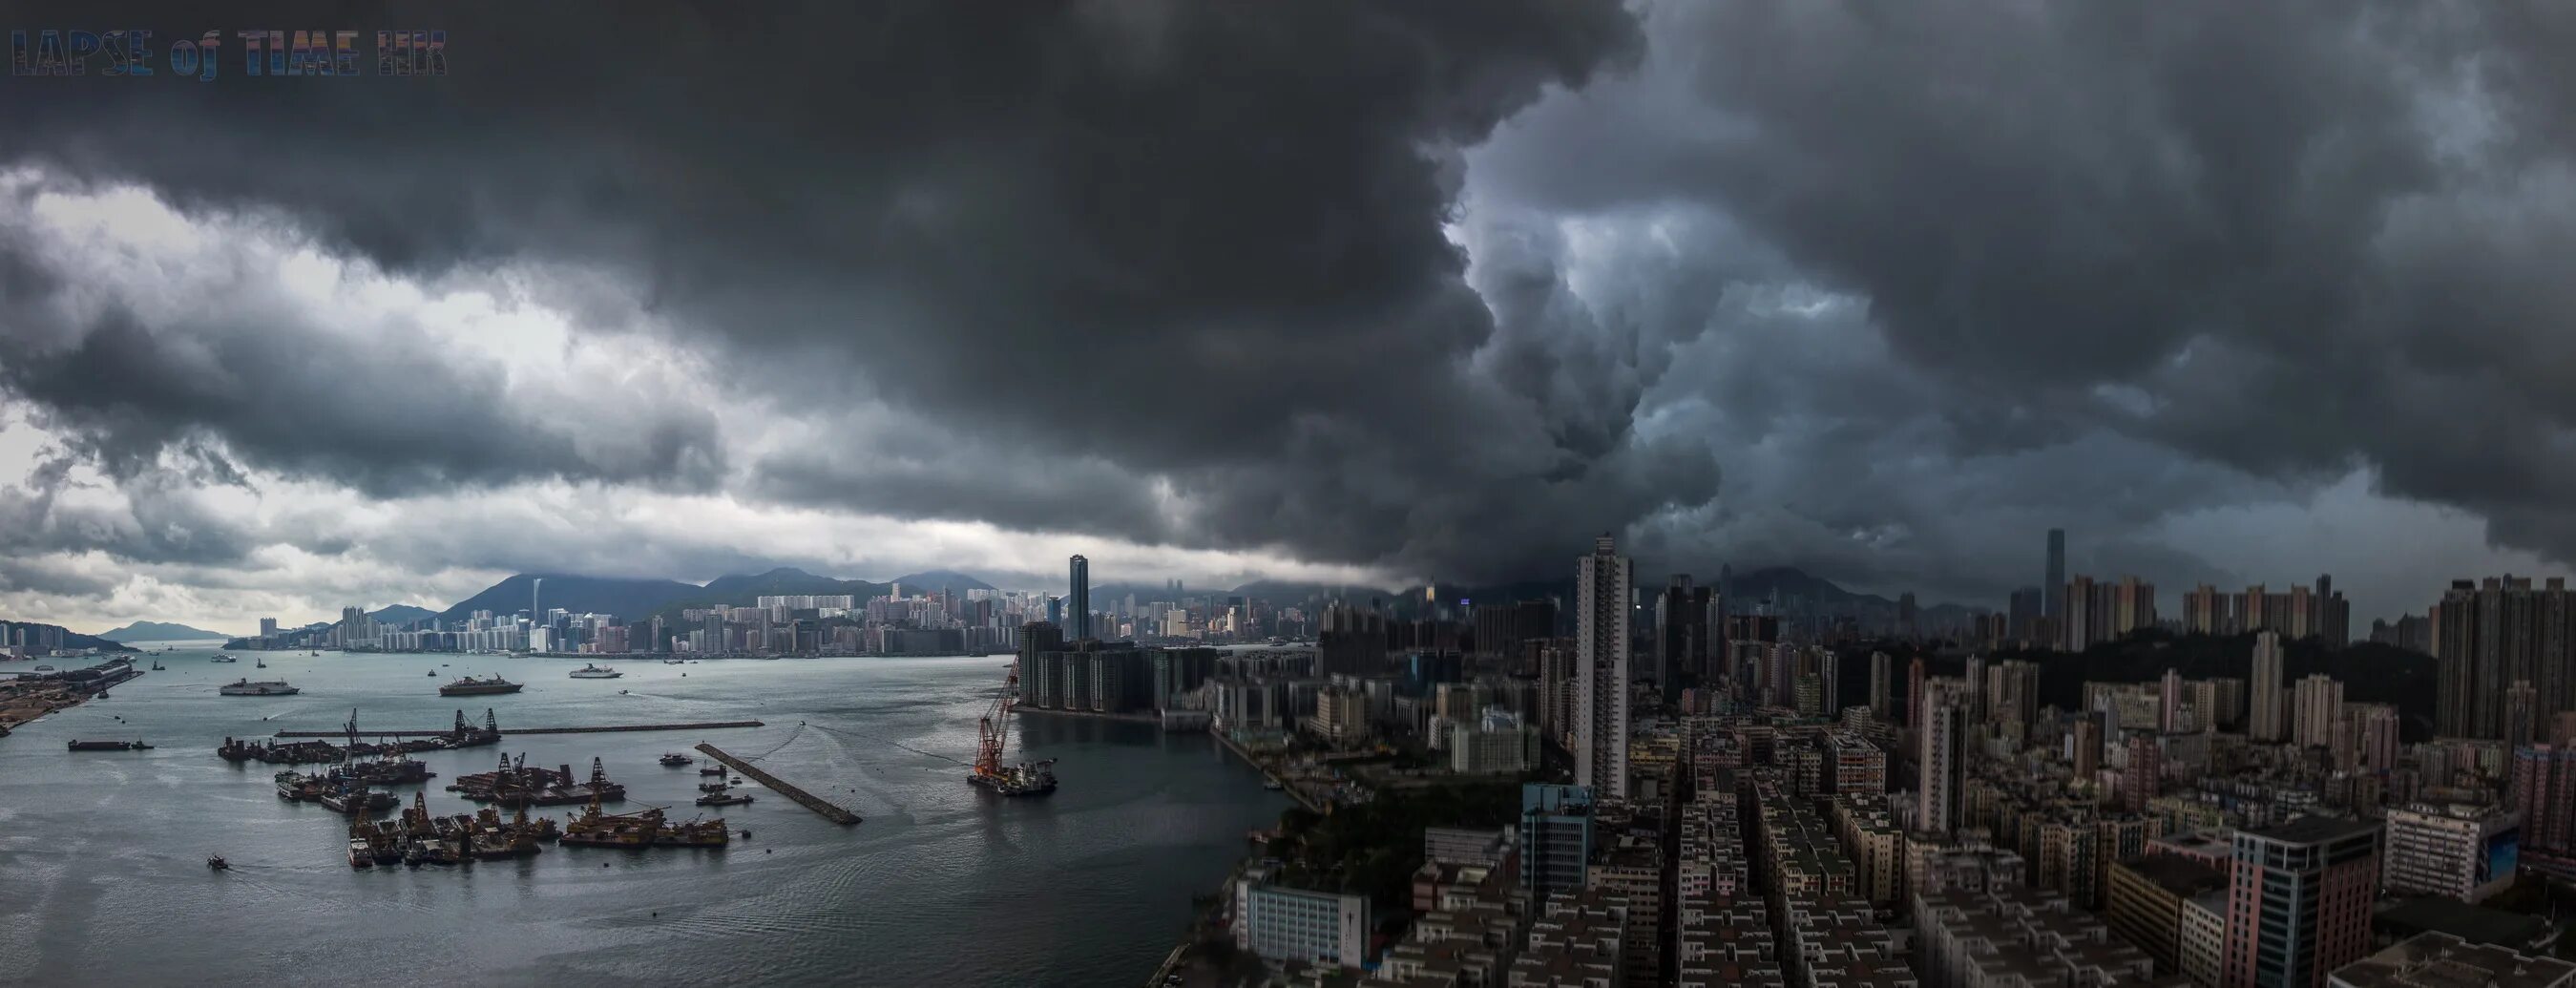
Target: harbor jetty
x=808 y=800
x=607 y=729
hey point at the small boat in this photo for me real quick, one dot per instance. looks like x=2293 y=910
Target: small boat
x=44 y=668
x=1272 y=785
x=676 y=759
x=102 y=694
x=221 y=657
x=218 y=863
x=433 y=674
x=260 y=662
x=360 y=855
x=712 y=770
x=621 y=692
x=156 y=665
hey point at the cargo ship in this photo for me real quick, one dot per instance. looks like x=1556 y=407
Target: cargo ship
x=470 y=686
x=136 y=745
x=244 y=687
x=593 y=670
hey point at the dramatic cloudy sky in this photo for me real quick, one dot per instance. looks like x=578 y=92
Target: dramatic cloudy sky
x=1335 y=291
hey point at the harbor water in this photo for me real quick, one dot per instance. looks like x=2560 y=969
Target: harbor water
x=103 y=876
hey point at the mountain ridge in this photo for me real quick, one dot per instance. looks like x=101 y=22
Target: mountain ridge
x=158 y=631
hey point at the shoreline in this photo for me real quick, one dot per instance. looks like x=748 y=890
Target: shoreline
x=1154 y=719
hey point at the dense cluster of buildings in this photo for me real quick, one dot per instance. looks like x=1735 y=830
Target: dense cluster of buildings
x=1738 y=805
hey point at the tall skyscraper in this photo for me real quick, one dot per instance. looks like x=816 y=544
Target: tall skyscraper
x=2144 y=779
x=1602 y=583
x=1829 y=677
x=1882 y=702
x=2315 y=705
x=1914 y=675
x=2298 y=903
x=1077 y=601
x=2169 y=701
x=1681 y=634
x=1943 y=758
x=2492 y=633
x=2264 y=722
x=2544 y=790
x=1556 y=838
x=2056 y=585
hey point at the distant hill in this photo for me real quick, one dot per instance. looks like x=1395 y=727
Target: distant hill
x=155 y=631
x=604 y=595
x=638 y=599
x=400 y=614
x=785 y=581
x=937 y=578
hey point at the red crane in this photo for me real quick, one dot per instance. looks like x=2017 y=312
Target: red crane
x=994 y=733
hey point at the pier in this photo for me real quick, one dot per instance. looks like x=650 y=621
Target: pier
x=780 y=786
x=609 y=729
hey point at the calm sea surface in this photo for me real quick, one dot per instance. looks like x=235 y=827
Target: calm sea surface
x=102 y=854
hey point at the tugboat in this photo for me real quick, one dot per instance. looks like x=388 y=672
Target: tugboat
x=593 y=670
x=470 y=686
x=675 y=759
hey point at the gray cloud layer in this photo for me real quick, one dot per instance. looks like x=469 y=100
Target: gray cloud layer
x=1923 y=279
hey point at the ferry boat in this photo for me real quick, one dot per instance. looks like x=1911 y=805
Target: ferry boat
x=221 y=657
x=470 y=686
x=676 y=759
x=593 y=670
x=244 y=687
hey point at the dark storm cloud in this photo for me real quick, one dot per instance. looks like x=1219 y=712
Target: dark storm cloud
x=2280 y=241
x=241 y=372
x=1201 y=241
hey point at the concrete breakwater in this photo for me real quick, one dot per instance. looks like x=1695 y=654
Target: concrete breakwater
x=608 y=729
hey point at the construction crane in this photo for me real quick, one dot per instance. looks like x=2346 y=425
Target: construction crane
x=993 y=737
x=993 y=734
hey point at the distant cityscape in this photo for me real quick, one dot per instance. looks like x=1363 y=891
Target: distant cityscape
x=1619 y=783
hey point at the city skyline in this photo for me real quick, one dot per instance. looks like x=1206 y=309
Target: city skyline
x=236 y=391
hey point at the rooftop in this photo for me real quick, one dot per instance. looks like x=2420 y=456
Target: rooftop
x=2313 y=830
x=2475 y=924
x=2440 y=960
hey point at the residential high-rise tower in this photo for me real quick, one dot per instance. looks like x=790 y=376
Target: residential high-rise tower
x=1077 y=601
x=1602 y=584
